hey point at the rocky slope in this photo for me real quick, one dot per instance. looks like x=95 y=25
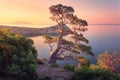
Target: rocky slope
x=53 y=73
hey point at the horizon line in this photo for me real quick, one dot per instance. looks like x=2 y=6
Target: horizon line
x=105 y=24
x=53 y=25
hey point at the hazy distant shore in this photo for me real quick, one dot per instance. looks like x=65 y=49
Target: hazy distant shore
x=32 y=31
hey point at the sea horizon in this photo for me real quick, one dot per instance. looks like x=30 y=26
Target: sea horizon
x=41 y=25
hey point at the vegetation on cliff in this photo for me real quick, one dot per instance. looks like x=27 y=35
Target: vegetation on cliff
x=17 y=55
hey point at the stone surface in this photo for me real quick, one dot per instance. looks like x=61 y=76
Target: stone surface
x=54 y=73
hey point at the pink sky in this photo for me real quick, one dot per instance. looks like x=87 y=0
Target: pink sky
x=36 y=12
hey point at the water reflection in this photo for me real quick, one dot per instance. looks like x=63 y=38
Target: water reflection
x=101 y=38
x=42 y=48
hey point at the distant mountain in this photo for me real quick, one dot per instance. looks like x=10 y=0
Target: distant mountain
x=21 y=22
x=52 y=30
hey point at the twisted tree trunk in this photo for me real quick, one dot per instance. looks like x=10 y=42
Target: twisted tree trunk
x=53 y=54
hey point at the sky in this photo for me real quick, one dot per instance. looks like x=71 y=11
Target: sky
x=36 y=12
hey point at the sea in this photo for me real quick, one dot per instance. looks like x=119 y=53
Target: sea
x=101 y=38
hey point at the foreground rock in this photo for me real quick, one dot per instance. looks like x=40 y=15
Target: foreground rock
x=54 y=73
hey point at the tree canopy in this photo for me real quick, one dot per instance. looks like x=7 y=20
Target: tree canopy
x=62 y=48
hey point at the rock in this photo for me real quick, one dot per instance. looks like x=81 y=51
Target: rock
x=54 y=73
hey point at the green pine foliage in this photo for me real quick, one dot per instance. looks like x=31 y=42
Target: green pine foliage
x=70 y=67
x=17 y=54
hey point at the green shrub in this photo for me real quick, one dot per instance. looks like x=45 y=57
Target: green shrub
x=55 y=65
x=17 y=54
x=70 y=67
x=13 y=67
x=81 y=73
x=86 y=73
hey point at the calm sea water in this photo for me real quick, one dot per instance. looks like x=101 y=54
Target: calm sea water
x=101 y=38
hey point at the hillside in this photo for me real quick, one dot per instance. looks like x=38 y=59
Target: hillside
x=52 y=30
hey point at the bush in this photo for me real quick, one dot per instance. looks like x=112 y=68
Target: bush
x=70 y=67
x=40 y=62
x=86 y=73
x=55 y=65
x=81 y=73
x=17 y=54
x=110 y=61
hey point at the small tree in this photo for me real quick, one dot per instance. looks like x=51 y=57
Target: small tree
x=109 y=61
x=63 y=15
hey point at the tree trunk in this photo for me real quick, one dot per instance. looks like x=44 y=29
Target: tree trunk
x=53 y=54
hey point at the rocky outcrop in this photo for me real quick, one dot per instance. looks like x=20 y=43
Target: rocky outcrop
x=53 y=73
x=52 y=30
